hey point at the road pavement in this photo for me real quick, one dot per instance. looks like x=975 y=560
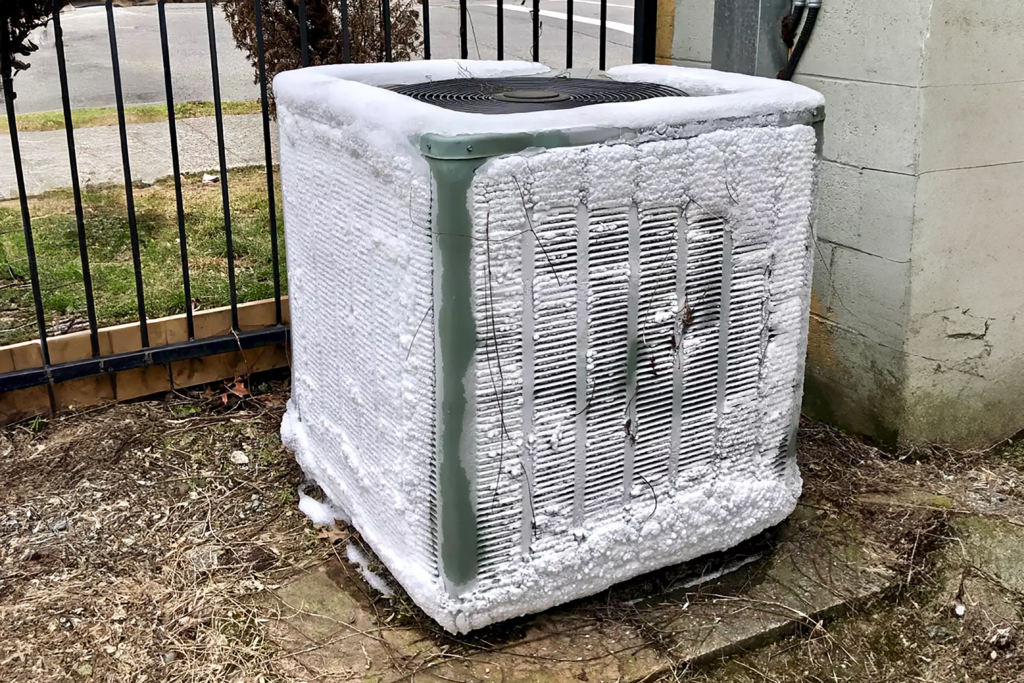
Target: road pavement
x=90 y=80
x=444 y=29
x=138 y=33
x=45 y=154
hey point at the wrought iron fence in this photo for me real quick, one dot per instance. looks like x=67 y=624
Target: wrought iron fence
x=644 y=18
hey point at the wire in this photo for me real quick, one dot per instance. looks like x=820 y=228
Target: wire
x=786 y=73
x=791 y=24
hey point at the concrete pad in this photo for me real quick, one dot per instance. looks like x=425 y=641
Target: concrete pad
x=331 y=627
x=326 y=629
x=817 y=570
x=984 y=570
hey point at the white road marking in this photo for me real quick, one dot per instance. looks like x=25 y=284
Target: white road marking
x=593 y=2
x=612 y=25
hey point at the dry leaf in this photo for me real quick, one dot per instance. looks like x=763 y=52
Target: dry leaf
x=237 y=388
x=332 y=534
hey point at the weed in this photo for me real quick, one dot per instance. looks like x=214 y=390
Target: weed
x=186 y=409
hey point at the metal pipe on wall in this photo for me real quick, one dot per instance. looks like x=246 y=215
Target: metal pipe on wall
x=746 y=37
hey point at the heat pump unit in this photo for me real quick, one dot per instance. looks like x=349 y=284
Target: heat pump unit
x=548 y=328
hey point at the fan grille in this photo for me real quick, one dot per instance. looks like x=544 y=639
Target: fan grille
x=522 y=95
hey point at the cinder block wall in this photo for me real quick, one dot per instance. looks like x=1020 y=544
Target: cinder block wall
x=917 y=330
x=965 y=319
x=866 y=58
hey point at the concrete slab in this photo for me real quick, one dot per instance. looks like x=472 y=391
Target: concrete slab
x=816 y=570
x=811 y=568
x=984 y=570
x=45 y=154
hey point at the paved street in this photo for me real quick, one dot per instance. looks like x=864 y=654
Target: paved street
x=89 y=66
x=45 y=153
x=138 y=34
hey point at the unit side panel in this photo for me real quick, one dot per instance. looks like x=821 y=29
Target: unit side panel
x=641 y=312
x=359 y=265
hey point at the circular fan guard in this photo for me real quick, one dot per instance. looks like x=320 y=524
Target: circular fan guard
x=521 y=95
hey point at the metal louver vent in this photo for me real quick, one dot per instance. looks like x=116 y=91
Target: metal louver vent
x=522 y=95
x=635 y=431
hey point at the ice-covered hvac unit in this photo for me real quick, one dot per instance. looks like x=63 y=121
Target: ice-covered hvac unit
x=548 y=331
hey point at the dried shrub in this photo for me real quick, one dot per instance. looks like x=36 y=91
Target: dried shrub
x=18 y=18
x=324 y=31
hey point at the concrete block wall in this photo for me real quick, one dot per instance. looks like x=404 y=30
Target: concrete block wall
x=865 y=57
x=693 y=29
x=917 y=330
x=965 y=348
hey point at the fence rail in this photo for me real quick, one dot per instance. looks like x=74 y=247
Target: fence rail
x=99 y=363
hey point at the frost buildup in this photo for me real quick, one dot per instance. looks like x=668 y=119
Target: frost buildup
x=635 y=326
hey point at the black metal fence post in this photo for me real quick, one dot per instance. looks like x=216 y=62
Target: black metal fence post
x=535 y=15
x=225 y=195
x=6 y=74
x=76 y=186
x=568 y=33
x=385 y=8
x=346 y=35
x=463 y=34
x=261 y=60
x=176 y=168
x=303 y=32
x=133 y=227
x=426 y=28
x=645 y=31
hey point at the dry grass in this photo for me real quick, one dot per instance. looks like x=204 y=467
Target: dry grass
x=905 y=506
x=91 y=117
x=132 y=541
x=136 y=545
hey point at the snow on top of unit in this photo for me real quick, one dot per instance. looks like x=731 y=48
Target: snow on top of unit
x=350 y=92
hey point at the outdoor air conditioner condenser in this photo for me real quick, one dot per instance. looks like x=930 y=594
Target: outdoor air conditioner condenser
x=548 y=332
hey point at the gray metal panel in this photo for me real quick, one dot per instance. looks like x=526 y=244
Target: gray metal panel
x=747 y=36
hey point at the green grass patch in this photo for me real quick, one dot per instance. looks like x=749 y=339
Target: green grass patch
x=108 y=238
x=107 y=116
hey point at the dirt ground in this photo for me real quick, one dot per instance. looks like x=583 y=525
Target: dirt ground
x=951 y=524
x=139 y=542
x=133 y=538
